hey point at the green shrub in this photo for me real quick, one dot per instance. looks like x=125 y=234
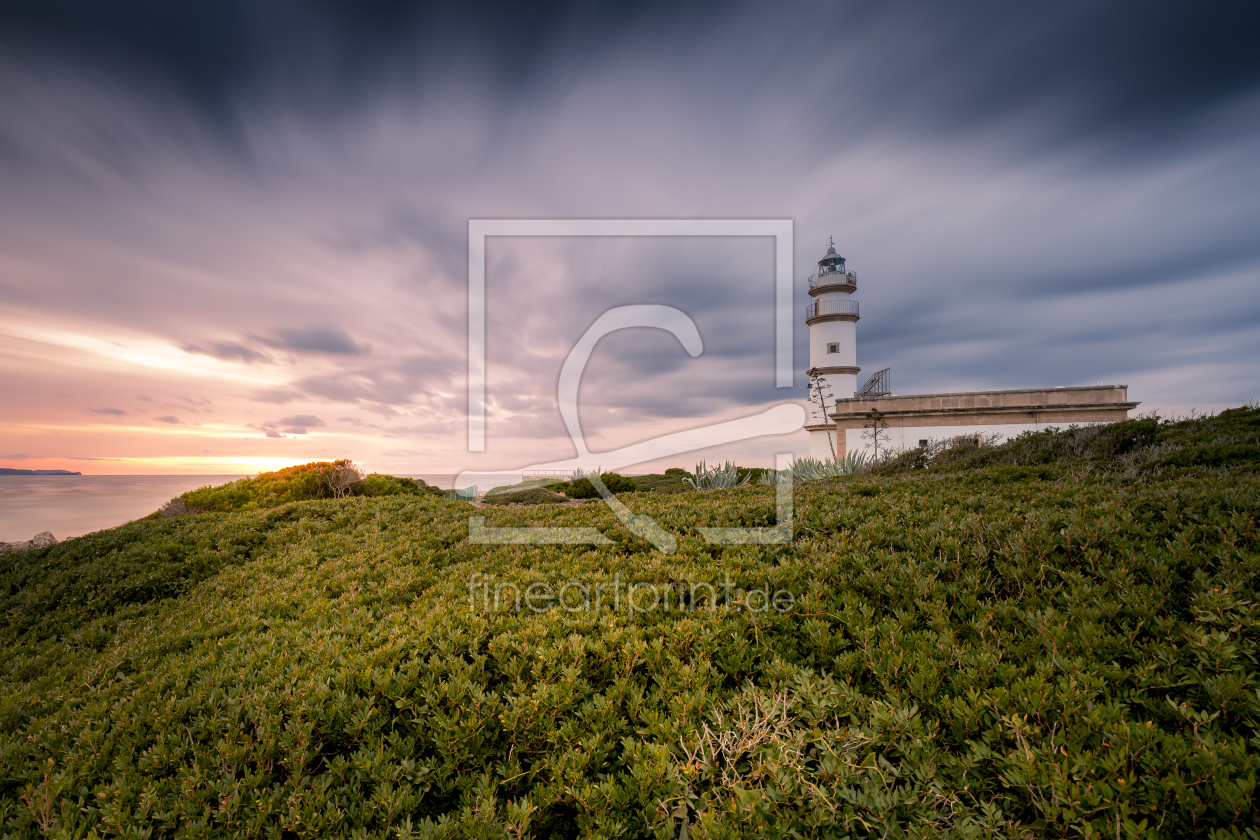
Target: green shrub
x=583 y=489
x=1007 y=650
x=1140 y=447
x=316 y=480
x=525 y=496
x=392 y=485
x=667 y=482
x=524 y=485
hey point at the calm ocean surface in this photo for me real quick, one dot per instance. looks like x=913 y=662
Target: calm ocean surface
x=74 y=505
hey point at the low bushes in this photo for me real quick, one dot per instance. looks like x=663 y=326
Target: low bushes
x=524 y=496
x=393 y=485
x=672 y=480
x=582 y=488
x=316 y=480
x=1008 y=650
x=1143 y=446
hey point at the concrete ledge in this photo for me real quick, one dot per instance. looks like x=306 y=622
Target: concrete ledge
x=970 y=417
x=822 y=319
x=849 y=288
x=825 y=371
x=1042 y=405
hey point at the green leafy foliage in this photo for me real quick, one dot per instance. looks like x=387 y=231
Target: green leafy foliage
x=1143 y=446
x=376 y=484
x=316 y=480
x=1000 y=650
x=722 y=477
x=525 y=496
x=582 y=488
x=524 y=485
x=812 y=469
x=672 y=480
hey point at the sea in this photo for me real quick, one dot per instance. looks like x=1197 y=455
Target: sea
x=74 y=505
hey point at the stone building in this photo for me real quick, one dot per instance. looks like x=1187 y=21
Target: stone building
x=910 y=421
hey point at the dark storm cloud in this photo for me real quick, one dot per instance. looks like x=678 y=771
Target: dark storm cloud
x=323 y=54
x=1136 y=66
x=1112 y=66
x=326 y=339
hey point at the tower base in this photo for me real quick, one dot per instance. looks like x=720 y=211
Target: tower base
x=822 y=448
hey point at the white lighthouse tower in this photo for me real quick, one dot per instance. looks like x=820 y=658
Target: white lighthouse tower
x=832 y=320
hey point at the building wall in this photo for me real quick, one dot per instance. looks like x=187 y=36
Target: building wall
x=908 y=437
x=833 y=332
x=818 y=446
x=1035 y=404
x=937 y=416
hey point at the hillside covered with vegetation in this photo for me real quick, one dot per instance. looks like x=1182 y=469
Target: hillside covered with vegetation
x=316 y=480
x=1054 y=637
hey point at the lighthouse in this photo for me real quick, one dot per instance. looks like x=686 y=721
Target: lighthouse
x=832 y=318
x=973 y=418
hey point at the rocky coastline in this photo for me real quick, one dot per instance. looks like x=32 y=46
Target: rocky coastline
x=41 y=540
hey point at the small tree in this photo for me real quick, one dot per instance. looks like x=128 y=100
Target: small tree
x=342 y=476
x=819 y=394
x=874 y=431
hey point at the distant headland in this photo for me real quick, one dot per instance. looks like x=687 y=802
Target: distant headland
x=8 y=471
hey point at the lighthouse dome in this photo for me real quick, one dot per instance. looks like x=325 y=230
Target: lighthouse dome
x=832 y=261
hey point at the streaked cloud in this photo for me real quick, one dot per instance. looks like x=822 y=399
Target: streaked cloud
x=325 y=339
x=231 y=209
x=229 y=352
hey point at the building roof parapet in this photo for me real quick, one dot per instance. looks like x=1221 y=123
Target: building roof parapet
x=1030 y=401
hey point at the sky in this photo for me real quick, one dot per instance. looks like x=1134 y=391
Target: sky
x=233 y=234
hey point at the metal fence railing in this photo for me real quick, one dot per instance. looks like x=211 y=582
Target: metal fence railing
x=832 y=307
x=832 y=278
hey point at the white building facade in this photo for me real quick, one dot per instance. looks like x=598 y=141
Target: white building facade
x=906 y=422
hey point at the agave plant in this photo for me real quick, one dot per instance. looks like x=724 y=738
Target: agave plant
x=808 y=469
x=716 y=478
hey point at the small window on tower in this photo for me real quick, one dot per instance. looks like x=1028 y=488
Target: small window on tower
x=833 y=348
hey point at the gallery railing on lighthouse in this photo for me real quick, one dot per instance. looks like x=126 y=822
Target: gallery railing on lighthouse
x=832 y=278
x=831 y=307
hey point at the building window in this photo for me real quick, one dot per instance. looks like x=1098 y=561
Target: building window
x=833 y=348
x=923 y=443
